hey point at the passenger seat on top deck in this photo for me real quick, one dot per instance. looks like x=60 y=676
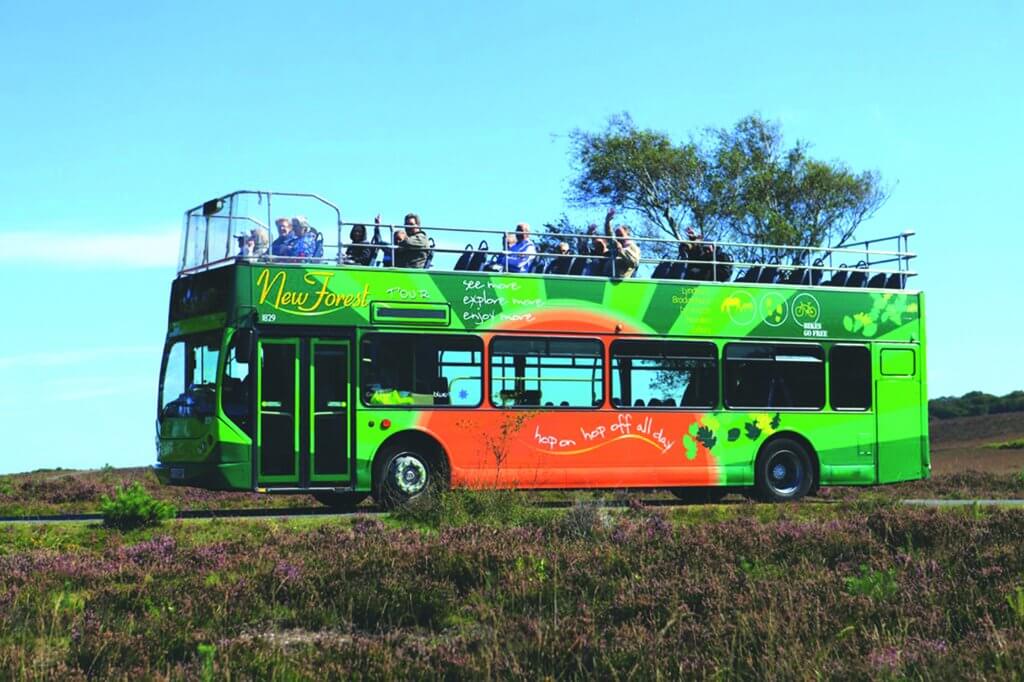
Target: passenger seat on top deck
x=897 y=280
x=857 y=279
x=877 y=281
x=768 y=274
x=838 y=277
x=750 y=275
x=464 y=258
x=479 y=257
x=579 y=264
x=661 y=271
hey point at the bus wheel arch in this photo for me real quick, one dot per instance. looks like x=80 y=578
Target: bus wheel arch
x=786 y=468
x=407 y=465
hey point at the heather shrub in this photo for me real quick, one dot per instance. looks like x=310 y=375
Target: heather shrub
x=583 y=520
x=133 y=507
x=463 y=506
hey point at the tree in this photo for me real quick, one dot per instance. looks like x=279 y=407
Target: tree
x=740 y=184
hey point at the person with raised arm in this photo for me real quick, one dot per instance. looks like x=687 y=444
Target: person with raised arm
x=412 y=246
x=624 y=250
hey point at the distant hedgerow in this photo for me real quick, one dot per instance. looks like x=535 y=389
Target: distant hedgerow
x=133 y=507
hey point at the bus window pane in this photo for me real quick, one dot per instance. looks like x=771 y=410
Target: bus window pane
x=429 y=370
x=174 y=375
x=190 y=377
x=235 y=396
x=849 y=375
x=664 y=374
x=539 y=372
x=774 y=375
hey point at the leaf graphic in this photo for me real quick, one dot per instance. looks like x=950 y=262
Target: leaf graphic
x=870 y=329
x=706 y=437
x=693 y=428
x=691 y=447
x=847 y=323
x=753 y=430
x=734 y=434
x=776 y=420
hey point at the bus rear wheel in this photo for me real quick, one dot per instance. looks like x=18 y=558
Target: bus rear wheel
x=408 y=474
x=784 y=472
x=340 y=501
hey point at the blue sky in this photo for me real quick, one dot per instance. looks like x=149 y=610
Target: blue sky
x=116 y=117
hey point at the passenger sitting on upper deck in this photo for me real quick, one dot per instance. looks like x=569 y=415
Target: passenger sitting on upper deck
x=695 y=251
x=523 y=251
x=262 y=241
x=306 y=243
x=256 y=243
x=412 y=246
x=282 y=245
x=359 y=251
x=626 y=251
x=597 y=263
x=561 y=261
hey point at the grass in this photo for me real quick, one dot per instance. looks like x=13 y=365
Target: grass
x=500 y=589
x=1017 y=444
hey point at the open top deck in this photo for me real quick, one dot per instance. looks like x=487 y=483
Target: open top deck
x=214 y=235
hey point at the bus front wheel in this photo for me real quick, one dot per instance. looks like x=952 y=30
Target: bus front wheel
x=407 y=474
x=784 y=471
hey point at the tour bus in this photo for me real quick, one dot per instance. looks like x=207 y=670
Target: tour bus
x=310 y=374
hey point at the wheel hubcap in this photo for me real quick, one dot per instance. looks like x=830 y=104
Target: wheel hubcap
x=785 y=473
x=409 y=474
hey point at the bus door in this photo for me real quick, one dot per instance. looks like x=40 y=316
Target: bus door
x=898 y=411
x=304 y=422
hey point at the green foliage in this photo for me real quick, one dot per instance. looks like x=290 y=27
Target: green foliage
x=1016 y=601
x=975 y=403
x=1017 y=444
x=133 y=507
x=753 y=430
x=878 y=585
x=739 y=184
x=206 y=653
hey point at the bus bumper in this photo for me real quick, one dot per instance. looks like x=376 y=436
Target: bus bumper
x=224 y=476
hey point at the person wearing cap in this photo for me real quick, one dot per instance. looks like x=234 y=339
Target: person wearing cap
x=624 y=250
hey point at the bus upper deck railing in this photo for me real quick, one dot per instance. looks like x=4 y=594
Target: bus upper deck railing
x=211 y=238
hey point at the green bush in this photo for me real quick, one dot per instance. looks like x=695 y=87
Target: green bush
x=134 y=507
x=463 y=506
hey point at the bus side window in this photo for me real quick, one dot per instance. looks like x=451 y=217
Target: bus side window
x=774 y=375
x=660 y=373
x=421 y=370
x=533 y=372
x=849 y=377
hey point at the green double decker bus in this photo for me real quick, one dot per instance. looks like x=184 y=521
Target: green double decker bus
x=286 y=374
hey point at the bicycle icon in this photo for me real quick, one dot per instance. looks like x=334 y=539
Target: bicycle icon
x=806 y=308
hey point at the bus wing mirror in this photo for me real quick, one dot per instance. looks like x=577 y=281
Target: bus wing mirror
x=244 y=339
